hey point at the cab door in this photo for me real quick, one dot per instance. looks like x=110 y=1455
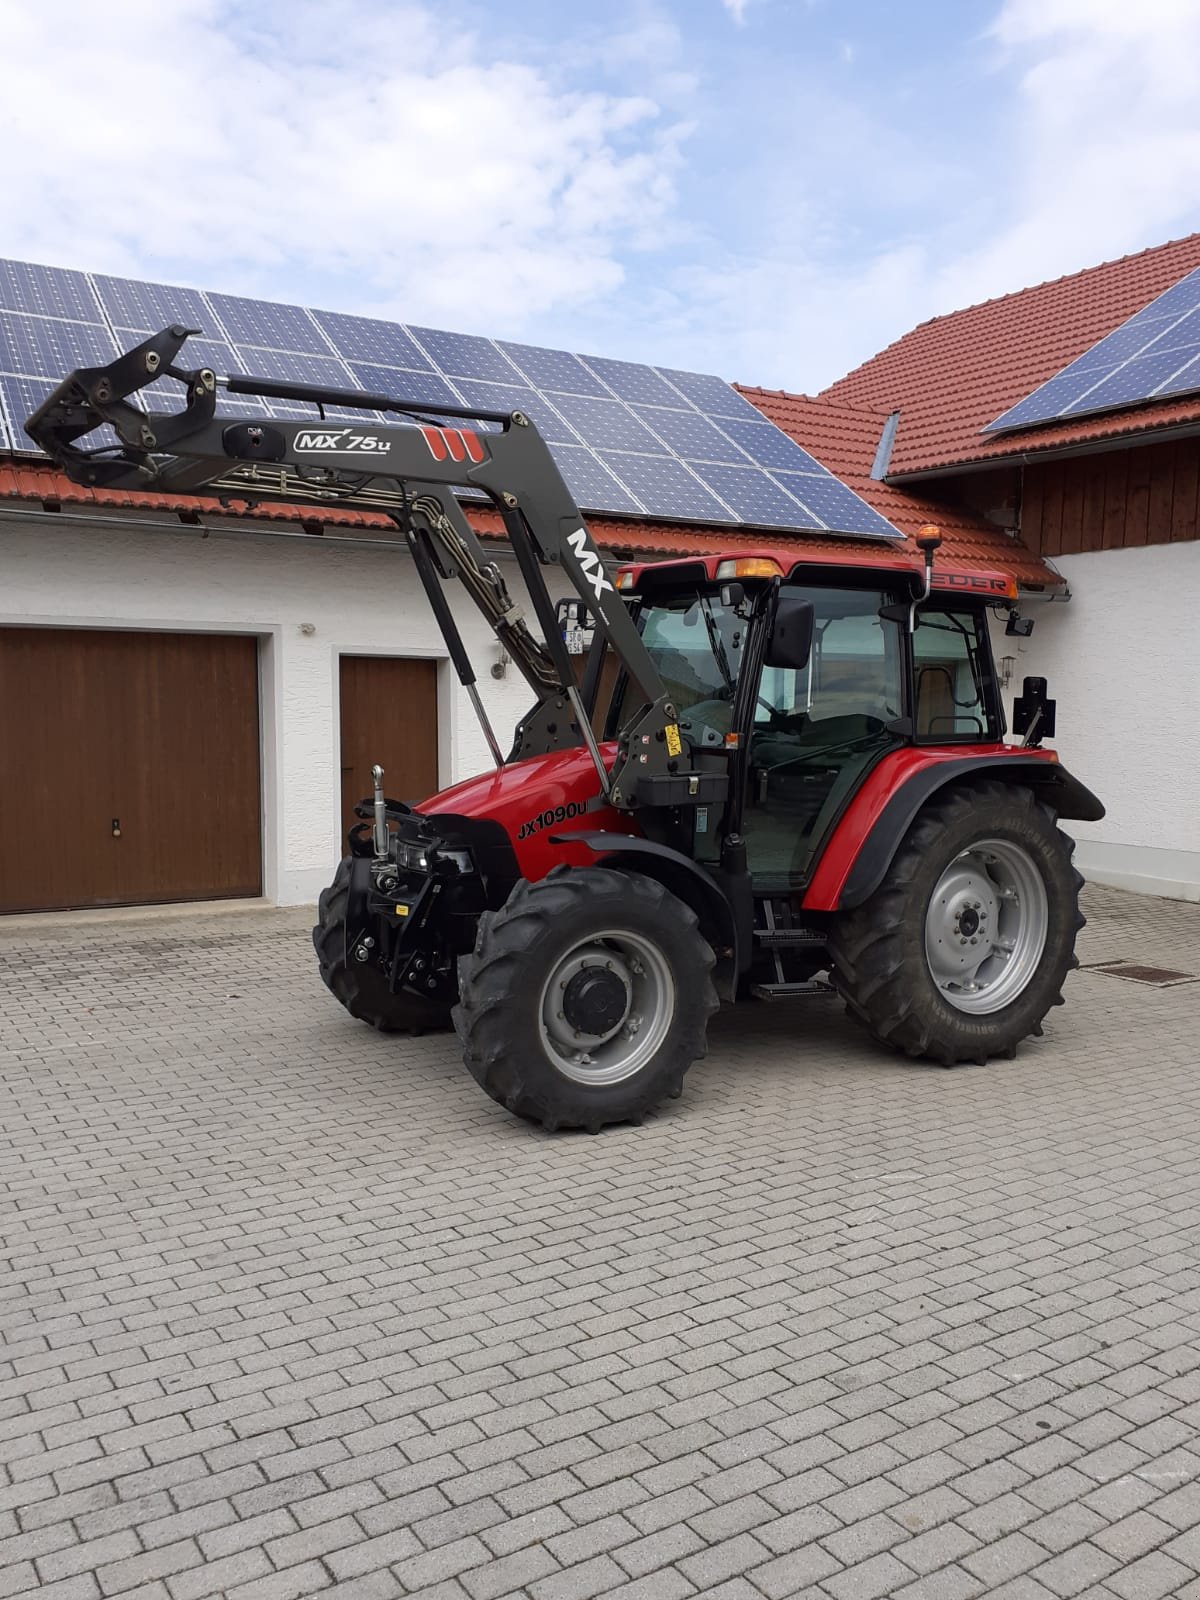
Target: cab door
x=817 y=731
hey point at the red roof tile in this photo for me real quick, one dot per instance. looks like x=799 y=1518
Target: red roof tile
x=951 y=376
x=35 y=480
x=845 y=437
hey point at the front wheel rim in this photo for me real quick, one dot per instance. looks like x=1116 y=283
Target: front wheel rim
x=986 y=926
x=622 y=1048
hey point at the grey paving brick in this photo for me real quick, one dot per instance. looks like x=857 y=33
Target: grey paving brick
x=1151 y=1577
x=794 y=1572
x=597 y=1576
x=1006 y=1558
x=937 y=1548
x=1076 y=1569
x=950 y=1583
x=161 y=1563
x=329 y=1314
x=881 y=1575
x=727 y=1559
x=509 y=1574
x=218 y=1577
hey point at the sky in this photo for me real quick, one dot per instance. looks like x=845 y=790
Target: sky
x=771 y=190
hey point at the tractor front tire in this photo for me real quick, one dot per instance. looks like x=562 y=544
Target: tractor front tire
x=586 y=999
x=964 y=947
x=362 y=988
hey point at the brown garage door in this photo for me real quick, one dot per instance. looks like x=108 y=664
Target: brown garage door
x=389 y=716
x=128 y=768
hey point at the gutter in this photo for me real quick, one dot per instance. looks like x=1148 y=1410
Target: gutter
x=1029 y=458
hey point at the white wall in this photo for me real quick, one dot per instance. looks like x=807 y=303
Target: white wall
x=1123 y=661
x=360 y=601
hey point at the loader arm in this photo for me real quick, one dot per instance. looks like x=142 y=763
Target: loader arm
x=407 y=472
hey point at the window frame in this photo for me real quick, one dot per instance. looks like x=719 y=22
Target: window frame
x=982 y=667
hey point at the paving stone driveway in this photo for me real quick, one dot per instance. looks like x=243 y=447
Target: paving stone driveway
x=291 y=1308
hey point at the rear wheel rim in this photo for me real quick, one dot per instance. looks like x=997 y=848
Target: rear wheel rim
x=986 y=926
x=646 y=1009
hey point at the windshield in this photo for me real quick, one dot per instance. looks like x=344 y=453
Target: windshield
x=696 y=644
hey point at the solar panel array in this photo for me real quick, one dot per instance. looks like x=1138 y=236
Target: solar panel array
x=1156 y=353
x=628 y=439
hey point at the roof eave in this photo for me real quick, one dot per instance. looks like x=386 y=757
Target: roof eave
x=1019 y=458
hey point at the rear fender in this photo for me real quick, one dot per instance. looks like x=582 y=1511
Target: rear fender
x=690 y=883
x=861 y=847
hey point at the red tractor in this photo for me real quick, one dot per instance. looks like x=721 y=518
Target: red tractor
x=799 y=767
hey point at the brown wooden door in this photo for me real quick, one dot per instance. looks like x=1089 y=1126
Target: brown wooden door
x=129 y=768
x=389 y=716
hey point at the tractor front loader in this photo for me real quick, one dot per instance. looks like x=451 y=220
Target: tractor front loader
x=801 y=769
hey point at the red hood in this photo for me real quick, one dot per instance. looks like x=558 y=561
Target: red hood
x=537 y=799
x=536 y=782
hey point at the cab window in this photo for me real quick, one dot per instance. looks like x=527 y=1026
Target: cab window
x=949 y=657
x=818 y=731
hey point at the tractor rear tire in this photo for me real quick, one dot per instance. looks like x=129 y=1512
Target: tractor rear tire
x=993 y=848
x=362 y=988
x=586 y=999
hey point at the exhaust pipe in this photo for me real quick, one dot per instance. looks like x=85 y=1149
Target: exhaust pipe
x=381 y=827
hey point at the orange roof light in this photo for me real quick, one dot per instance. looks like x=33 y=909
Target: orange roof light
x=749 y=567
x=625 y=579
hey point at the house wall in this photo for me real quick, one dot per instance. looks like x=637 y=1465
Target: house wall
x=1116 y=500
x=1122 y=661
x=59 y=572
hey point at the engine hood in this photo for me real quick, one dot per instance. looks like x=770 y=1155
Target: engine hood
x=535 y=799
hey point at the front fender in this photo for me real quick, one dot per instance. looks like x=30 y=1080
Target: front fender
x=860 y=849
x=731 y=936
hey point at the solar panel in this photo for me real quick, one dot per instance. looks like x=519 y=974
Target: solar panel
x=465 y=355
x=503 y=397
x=591 y=483
x=831 y=502
x=267 y=325
x=44 y=347
x=629 y=381
x=130 y=304
x=607 y=424
x=629 y=439
x=555 y=370
x=711 y=395
x=1152 y=354
x=430 y=387
x=384 y=344
x=769 y=447
x=47 y=292
x=666 y=488
x=692 y=436
x=757 y=498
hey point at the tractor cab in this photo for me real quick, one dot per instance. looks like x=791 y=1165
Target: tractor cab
x=798 y=678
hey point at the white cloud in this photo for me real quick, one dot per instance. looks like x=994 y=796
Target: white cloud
x=737 y=10
x=375 y=151
x=1097 y=153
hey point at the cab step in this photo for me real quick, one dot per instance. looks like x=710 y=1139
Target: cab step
x=810 y=987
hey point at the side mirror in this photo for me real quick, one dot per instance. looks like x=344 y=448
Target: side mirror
x=790 y=644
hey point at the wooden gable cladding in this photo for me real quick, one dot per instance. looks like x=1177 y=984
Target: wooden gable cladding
x=1113 y=501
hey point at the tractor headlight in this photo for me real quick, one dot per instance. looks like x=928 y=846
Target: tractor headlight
x=417 y=857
